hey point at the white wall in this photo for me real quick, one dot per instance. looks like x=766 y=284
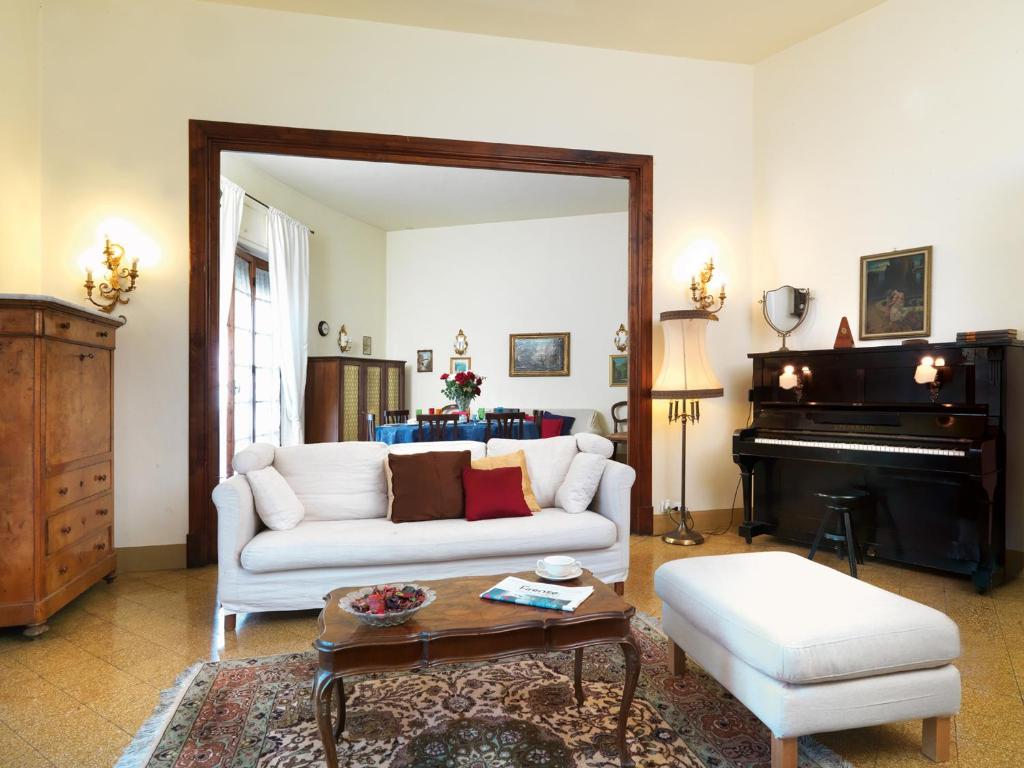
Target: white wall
x=121 y=78
x=346 y=261
x=543 y=275
x=900 y=128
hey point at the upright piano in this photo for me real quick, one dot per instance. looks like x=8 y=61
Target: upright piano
x=944 y=476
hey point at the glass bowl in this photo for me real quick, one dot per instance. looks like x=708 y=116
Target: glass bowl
x=390 y=619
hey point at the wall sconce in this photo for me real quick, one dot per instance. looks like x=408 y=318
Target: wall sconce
x=621 y=340
x=461 y=343
x=344 y=341
x=113 y=290
x=927 y=372
x=790 y=379
x=699 y=293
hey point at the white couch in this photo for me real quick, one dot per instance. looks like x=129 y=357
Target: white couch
x=345 y=538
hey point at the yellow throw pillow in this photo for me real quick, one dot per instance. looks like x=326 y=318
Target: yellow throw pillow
x=516 y=459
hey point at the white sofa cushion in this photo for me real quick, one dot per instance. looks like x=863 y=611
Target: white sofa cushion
x=547 y=461
x=802 y=622
x=336 y=481
x=276 y=503
x=598 y=444
x=477 y=450
x=577 y=490
x=253 y=457
x=328 y=544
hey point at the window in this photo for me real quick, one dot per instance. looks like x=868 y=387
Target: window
x=254 y=392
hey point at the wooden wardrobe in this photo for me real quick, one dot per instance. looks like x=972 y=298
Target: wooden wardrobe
x=56 y=456
x=342 y=391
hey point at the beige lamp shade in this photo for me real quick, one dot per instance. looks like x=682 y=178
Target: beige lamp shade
x=686 y=373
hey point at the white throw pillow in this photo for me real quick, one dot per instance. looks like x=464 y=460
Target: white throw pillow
x=547 y=461
x=276 y=503
x=598 y=444
x=255 y=456
x=577 y=490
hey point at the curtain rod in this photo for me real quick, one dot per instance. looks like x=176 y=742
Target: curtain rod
x=257 y=200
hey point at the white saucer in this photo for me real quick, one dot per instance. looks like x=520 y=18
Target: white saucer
x=574 y=575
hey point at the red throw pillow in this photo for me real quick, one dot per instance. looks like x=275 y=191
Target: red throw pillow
x=551 y=427
x=494 y=493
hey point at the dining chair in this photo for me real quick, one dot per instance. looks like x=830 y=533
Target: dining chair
x=620 y=427
x=397 y=416
x=434 y=426
x=507 y=424
x=450 y=408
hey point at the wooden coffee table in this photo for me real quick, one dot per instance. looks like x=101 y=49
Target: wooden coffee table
x=459 y=626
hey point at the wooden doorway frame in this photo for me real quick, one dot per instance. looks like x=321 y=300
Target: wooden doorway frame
x=208 y=139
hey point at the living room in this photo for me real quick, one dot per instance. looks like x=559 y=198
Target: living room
x=787 y=148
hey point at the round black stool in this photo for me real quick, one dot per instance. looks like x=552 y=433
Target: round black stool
x=841 y=504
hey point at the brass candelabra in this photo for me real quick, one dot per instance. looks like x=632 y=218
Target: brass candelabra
x=699 y=292
x=119 y=282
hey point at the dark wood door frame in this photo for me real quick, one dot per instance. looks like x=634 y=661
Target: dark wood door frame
x=208 y=139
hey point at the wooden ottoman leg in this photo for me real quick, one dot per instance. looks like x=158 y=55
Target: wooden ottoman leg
x=784 y=752
x=229 y=622
x=935 y=738
x=676 y=658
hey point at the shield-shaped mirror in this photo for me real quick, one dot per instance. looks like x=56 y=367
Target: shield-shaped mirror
x=785 y=308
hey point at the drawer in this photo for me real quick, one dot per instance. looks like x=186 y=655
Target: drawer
x=75 y=522
x=20 y=321
x=75 y=559
x=68 y=487
x=70 y=328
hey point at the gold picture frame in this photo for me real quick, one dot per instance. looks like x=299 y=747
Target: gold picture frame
x=538 y=354
x=618 y=370
x=424 y=361
x=896 y=294
x=459 y=365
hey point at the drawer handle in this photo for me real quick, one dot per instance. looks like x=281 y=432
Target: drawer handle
x=82 y=356
x=65 y=529
x=62 y=491
x=63 y=569
x=102 y=334
x=100 y=478
x=102 y=512
x=65 y=325
x=101 y=546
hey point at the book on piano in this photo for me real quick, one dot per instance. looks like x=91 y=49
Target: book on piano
x=1002 y=334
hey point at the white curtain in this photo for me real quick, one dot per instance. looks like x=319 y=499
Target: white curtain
x=288 y=248
x=232 y=197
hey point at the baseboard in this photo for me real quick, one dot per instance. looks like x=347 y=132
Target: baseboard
x=159 y=557
x=703 y=520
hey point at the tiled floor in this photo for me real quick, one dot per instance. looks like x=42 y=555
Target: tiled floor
x=76 y=695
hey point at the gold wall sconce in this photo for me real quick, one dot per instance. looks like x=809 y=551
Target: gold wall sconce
x=928 y=373
x=699 y=292
x=344 y=340
x=790 y=379
x=461 y=345
x=621 y=339
x=118 y=282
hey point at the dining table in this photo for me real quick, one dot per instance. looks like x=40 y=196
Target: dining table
x=466 y=430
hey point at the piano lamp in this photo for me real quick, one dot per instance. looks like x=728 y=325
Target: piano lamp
x=927 y=372
x=686 y=375
x=790 y=379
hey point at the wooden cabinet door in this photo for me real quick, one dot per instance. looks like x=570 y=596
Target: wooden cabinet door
x=352 y=390
x=77 y=408
x=323 y=421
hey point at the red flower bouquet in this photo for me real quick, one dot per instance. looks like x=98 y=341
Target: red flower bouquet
x=461 y=388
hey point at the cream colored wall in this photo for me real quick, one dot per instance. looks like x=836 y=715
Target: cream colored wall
x=20 y=269
x=121 y=78
x=543 y=275
x=900 y=128
x=346 y=261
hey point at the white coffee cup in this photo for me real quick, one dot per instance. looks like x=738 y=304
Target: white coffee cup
x=558 y=565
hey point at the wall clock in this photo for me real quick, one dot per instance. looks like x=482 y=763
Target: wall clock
x=322 y=328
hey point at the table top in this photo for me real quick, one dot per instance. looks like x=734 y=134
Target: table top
x=459 y=611
x=471 y=430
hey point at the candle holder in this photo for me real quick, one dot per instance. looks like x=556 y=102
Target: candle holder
x=119 y=282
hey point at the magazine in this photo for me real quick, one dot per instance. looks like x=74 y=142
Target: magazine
x=522 y=592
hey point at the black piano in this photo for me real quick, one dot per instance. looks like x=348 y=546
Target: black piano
x=944 y=476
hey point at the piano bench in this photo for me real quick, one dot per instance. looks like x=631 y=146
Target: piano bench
x=808 y=649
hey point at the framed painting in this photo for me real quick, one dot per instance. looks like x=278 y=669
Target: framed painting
x=895 y=294
x=538 y=354
x=424 y=361
x=618 y=370
x=459 y=364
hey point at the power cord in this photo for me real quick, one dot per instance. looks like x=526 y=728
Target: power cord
x=735 y=493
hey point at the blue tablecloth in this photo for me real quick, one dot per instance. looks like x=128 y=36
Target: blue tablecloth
x=474 y=430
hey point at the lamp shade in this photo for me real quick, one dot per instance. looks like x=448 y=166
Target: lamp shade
x=685 y=370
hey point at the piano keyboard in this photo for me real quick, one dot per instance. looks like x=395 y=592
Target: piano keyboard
x=874 y=447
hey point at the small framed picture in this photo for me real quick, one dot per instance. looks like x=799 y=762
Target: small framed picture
x=895 y=294
x=424 y=361
x=367 y=345
x=459 y=364
x=618 y=370
x=538 y=354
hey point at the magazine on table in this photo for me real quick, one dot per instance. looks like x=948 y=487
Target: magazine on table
x=522 y=592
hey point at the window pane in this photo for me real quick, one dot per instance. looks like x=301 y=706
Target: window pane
x=264 y=350
x=243 y=384
x=243 y=348
x=268 y=384
x=243 y=311
x=268 y=418
x=264 y=320
x=243 y=424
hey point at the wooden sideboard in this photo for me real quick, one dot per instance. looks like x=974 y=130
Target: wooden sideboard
x=341 y=391
x=56 y=456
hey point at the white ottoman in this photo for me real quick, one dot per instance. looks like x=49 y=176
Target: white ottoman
x=808 y=649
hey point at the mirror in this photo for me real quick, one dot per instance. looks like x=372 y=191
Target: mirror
x=785 y=308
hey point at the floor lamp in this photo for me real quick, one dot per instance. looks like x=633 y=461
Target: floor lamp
x=686 y=376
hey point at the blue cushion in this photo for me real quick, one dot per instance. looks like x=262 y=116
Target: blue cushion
x=567 y=421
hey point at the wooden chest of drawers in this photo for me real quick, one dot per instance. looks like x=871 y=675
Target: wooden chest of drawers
x=56 y=456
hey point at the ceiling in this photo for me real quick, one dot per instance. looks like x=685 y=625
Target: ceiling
x=392 y=196
x=742 y=31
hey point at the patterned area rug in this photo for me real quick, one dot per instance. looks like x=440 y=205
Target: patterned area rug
x=519 y=713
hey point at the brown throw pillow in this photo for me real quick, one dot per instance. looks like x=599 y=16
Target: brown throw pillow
x=426 y=486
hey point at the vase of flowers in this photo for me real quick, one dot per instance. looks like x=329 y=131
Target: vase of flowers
x=461 y=388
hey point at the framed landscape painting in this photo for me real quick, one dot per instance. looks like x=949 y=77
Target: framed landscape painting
x=459 y=364
x=895 y=294
x=618 y=370
x=424 y=360
x=538 y=354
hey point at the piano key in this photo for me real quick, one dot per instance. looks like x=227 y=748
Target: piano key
x=853 y=446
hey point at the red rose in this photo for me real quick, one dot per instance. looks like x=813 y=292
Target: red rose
x=479 y=380
x=460 y=378
x=470 y=375
x=444 y=376
x=476 y=390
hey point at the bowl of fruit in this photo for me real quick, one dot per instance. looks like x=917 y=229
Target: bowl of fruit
x=387 y=605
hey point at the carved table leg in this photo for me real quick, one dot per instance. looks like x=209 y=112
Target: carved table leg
x=629 y=650
x=322 y=684
x=339 y=690
x=578 y=677
x=35 y=630
x=109 y=578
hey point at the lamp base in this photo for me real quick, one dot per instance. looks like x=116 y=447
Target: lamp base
x=683 y=537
